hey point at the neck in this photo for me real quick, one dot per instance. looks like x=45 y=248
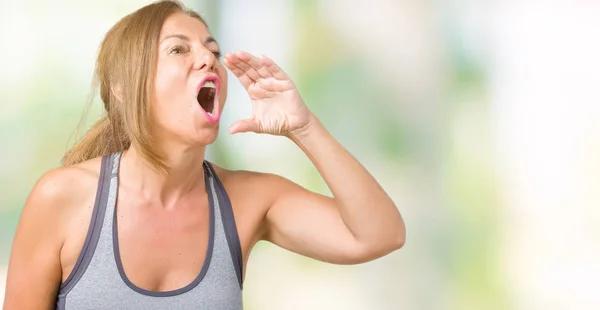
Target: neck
x=184 y=174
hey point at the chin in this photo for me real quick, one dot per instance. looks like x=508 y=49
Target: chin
x=206 y=136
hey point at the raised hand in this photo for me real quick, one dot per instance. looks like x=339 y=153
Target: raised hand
x=278 y=108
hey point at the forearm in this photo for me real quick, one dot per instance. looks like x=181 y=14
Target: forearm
x=364 y=206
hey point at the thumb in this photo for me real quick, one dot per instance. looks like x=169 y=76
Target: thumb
x=244 y=125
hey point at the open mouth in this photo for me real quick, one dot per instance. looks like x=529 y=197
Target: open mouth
x=208 y=98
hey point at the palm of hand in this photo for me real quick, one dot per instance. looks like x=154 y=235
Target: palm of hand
x=278 y=108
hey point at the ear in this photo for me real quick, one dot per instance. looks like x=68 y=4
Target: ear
x=117 y=92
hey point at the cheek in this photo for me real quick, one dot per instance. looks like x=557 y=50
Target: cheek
x=169 y=82
x=168 y=95
x=169 y=78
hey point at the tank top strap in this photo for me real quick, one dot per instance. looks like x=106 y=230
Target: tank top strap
x=228 y=219
x=95 y=227
x=115 y=162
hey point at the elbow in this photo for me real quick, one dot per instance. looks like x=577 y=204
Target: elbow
x=390 y=238
x=399 y=234
x=381 y=247
x=375 y=251
x=398 y=243
x=384 y=241
x=400 y=238
x=392 y=233
x=394 y=240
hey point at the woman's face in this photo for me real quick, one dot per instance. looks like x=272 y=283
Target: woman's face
x=190 y=83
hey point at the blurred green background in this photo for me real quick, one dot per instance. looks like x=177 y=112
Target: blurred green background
x=480 y=119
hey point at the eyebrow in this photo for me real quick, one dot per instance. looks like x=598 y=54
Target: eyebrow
x=207 y=41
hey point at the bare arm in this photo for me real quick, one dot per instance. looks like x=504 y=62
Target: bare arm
x=359 y=224
x=34 y=271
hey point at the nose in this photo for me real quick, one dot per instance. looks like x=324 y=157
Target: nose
x=204 y=60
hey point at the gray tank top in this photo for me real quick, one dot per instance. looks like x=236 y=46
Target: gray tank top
x=99 y=282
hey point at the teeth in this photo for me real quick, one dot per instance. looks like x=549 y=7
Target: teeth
x=209 y=114
x=209 y=84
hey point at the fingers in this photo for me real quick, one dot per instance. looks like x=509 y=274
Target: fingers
x=242 y=64
x=255 y=63
x=273 y=85
x=239 y=73
x=245 y=125
x=258 y=71
x=274 y=69
x=256 y=67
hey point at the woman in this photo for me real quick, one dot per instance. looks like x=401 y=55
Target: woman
x=136 y=219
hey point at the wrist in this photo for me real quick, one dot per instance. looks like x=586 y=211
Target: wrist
x=305 y=132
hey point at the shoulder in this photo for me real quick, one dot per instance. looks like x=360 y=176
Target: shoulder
x=252 y=195
x=268 y=186
x=66 y=183
x=57 y=193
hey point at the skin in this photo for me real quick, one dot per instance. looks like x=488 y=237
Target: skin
x=170 y=212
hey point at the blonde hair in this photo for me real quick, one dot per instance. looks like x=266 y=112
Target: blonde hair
x=124 y=75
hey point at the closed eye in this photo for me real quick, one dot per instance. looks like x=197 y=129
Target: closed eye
x=217 y=54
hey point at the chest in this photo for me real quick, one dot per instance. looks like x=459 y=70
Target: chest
x=161 y=249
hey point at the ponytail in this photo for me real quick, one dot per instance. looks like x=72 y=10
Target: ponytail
x=105 y=137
